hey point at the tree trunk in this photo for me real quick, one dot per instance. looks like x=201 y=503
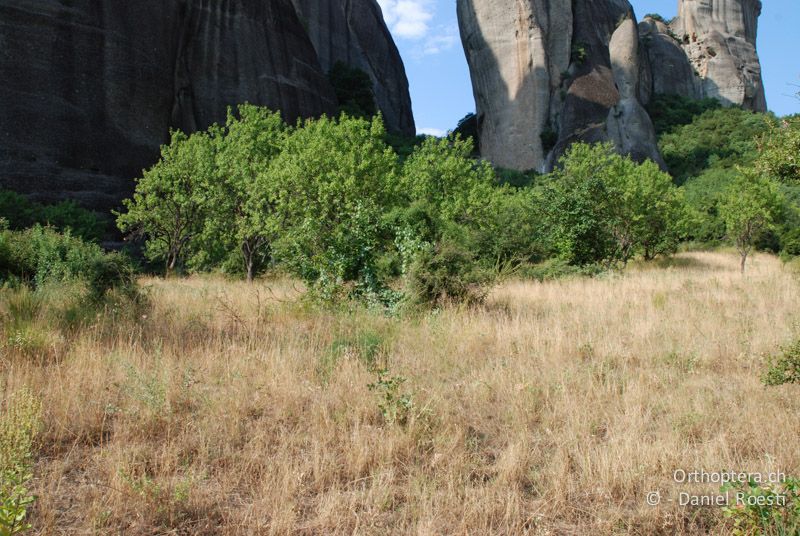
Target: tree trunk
x=251 y=275
x=744 y=260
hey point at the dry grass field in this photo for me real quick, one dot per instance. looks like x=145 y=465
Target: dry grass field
x=553 y=409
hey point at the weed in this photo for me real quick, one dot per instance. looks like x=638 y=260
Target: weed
x=395 y=406
x=19 y=424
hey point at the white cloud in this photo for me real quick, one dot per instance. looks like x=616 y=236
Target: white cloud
x=442 y=40
x=408 y=19
x=439 y=133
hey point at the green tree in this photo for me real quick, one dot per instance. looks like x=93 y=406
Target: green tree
x=171 y=200
x=442 y=173
x=331 y=183
x=650 y=211
x=718 y=139
x=240 y=212
x=750 y=208
x=669 y=112
x=458 y=223
x=603 y=207
x=779 y=152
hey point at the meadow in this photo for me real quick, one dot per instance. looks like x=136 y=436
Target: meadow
x=552 y=408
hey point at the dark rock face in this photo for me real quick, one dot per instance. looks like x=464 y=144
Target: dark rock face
x=91 y=88
x=353 y=32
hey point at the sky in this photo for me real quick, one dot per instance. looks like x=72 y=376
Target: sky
x=426 y=32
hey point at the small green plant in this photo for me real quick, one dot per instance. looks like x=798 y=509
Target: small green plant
x=768 y=510
x=396 y=407
x=19 y=424
x=579 y=53
x=785 y=367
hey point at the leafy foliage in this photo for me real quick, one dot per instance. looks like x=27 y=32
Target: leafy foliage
x=452 y=203
x=779 y=156
x=19 y=425
x=240 y=212
x=171 y=200
x=671 y=111
x=718 y=139
x=750 y=207
x=395 y=406
x=602 y=207
x=21 y=213
x=40 y=256
x=354 y=90
x=467 y=128
x=784 y=368
x=768 y=510
x=332 y=181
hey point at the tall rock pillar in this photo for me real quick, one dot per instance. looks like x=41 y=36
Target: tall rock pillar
x=719 y=37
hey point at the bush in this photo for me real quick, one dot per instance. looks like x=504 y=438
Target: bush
x=354 y=90
x=766 y=510
x=445 y=236
x=22 y=213
x=447 y=273
x=40 y=256
x=556 y=268
x=600 y=207
x=19 y=425
x=785 y=367
x=171 y=201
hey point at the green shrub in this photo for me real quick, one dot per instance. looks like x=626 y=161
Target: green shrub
x=601 y=207
x=557 y=268
x=790 y=243
x=172 y=199
x=785 y=367
x=22 y=213
x=332 y=183
x=19 y=425
x=765 y=510
x=447 y=273
x=395 y=406
x=467 y=129
x=40 y=256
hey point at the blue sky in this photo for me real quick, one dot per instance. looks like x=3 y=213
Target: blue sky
x=426 y=32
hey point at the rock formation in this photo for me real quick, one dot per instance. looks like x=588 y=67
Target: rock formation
x=91 y=89
x=355 y=33
x=546 y=74
x=666 y=68
x=719 y=38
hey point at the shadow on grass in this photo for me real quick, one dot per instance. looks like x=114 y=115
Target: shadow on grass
x=682 y=262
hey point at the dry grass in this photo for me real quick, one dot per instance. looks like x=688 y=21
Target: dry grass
x=553 y=409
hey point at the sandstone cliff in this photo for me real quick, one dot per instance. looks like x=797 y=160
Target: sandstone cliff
x=354 y=32
x=546 y=74
x=719 y=38
x=91 y=89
